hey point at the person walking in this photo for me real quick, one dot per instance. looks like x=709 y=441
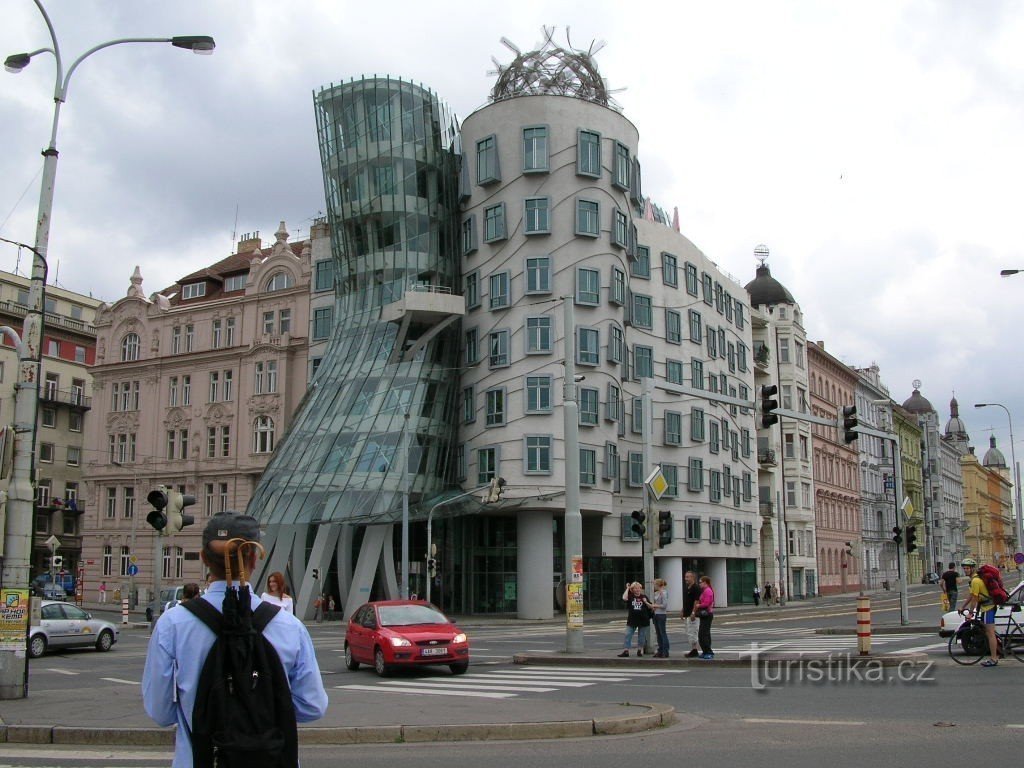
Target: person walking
x=691 y=593
x=767 y=594
x=277 y=592
x=757 y=596
x=103 y=591
x=638 y=617
x=180 y=643
x=948 y=585
x=984 y=608
x=660 y=617
x=704 y=612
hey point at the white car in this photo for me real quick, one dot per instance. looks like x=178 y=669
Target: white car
x=951 y=621
x=63 y=625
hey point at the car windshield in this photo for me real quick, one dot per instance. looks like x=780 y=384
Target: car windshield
x=404 y=615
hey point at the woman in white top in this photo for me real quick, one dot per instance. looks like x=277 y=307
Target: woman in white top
x=277 y=592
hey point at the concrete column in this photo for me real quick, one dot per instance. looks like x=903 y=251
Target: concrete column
x=536 y=556
x=716 y=572
x=671 y=570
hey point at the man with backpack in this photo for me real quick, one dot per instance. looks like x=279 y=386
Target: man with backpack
x=194 y=674
x=987 y=592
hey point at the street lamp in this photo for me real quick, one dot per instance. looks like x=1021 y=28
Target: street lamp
x=1015 y=474
x=1008 y=272
x=18 y=536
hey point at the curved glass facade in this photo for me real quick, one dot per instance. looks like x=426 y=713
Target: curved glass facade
x=388 y=380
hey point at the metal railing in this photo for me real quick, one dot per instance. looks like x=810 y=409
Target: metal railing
x=20 y=310
x=66 y=396
x=766 y=457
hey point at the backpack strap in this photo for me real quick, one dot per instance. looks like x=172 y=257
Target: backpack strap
x=205 y=612
x=263 y=614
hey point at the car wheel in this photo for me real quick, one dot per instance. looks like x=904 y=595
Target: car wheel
x=379 y=665
x=350 y=662
x=105 y=641
x=36 y=646
x=459 y=668
x=149 y=615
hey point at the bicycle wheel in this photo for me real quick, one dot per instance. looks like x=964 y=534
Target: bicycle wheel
x=1013 y=643
x=968 y=644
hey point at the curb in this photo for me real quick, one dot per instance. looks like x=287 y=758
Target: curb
x=744 y=662
x=653 y=716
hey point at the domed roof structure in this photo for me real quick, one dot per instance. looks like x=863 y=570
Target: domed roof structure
x=993 y=456
x=917 y=403
x=764 y=289
x=955 y=427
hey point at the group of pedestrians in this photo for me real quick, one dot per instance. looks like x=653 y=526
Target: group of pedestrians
x=770 y=594
x=697 y=615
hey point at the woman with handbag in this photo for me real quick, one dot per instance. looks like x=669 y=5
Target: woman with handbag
x=638 y=617
x=660 y=617
x=704 y=612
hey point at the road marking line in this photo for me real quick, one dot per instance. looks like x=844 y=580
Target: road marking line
x=119 y=680
x=919 y=648
x=592 y=670
x=539 y=650
x=558 y=683
x=783 y=721
x=426 y=691
x=460 y=685
x=61 y=671
x=1013 y=725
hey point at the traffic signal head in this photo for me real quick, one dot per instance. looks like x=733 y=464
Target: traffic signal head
x=176 y=503
x=897 y=535
x=664 y=528
x=849 y=549
x=57 y=561
x=768 y=405
x=431 y=567
x=316 y=574
x=850 y=422
x=638 y=527
x=911 y=538
x=494 y=492
x=158 y=499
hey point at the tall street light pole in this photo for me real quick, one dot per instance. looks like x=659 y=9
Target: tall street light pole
x=572 y=553
x=1016 y=476
x=18 y=533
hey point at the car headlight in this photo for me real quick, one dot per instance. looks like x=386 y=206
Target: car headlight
x=459 y=638
x=399 y=642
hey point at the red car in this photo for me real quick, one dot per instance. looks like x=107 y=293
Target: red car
x=395 y=633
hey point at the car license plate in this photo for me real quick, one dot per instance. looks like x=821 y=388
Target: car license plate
x=435 y=651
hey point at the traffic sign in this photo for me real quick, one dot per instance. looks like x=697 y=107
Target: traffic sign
x=133 y=570
x=1018 y=558
x=657 y=483
x=132 y=559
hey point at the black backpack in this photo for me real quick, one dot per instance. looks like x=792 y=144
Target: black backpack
x=243 y=714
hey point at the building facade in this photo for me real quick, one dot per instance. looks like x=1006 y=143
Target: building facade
x=987 y=508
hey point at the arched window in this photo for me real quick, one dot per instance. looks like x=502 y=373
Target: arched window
x=279 y=281
x=263 y=435
x=130 y=348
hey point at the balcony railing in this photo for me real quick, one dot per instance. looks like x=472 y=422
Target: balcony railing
x=20 y=310
x=762 y=354
x=767 y=457
x=766 y=509
x=72 y=397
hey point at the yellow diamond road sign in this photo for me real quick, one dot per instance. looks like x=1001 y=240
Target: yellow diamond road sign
x=657 y=483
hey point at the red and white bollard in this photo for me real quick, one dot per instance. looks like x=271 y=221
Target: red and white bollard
x=864 y=625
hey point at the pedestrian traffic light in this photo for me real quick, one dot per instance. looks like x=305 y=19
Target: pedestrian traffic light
x=664 y=528
x=911 y=538
x=768 y=405
x=897 y=535
x=850 y=423
x=316 y=574
x=638 y=527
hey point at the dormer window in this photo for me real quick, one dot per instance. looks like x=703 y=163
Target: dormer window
x=193 y=290
x=235 y=283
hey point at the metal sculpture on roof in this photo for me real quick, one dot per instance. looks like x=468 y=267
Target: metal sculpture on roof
x=552 y=69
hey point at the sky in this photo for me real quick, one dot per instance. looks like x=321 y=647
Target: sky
x=874 y=147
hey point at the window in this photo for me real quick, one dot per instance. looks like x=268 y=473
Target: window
x=697 y=424
x=214 y=386
x=130 y=348
x=225 y=441
x=323 y=271
x=211 y=442
x=126 y=560
x=53 y=348
x=538 y=335
x=538 y=394
x=643 y=362
x=497 y=343
x=538 y=455
x=193 y=290
x=472 y=353
x=588 y=405
x=538 y=274
x=673 y=428
x=588 y=346
x=129 y=503
x=707 y=288
x=323 y=319
x=611 y=461
x=535 y=149
x=218 y=333
x=783 y=350
x=641 y=265
x=691 y=279
x=79 y=354
x=266 y=377
x=588 y=466
x=190 y=337
x=468 y=405
x=536 y=218
x=494 y=407
x=487 y=169
x=172 y=391
x=223 y=498
x=469 y=244
x=486 y=465
x=494 y=223
x=671 y=473
x=636 y=469
x=111 y=503
x=616 y=344
x=46 y=453
x=278 y=282
x=696 y=329
x=673 y=327
x=229 y=332
x=674 y=371
x=620 y=228
x=235 y=283
x=268 y=323
x=612 y=404
x=74 y=421
x=108 y=560
x=618 y=294
x=713 y=441
x=715 y=493
x=263 y=435
x=669 y=270
x=588 y=153
x=229 y=386
x=696 y=475
x=622 y=166
x=588 y=286
x=642 y=312
x=499 y=290
x=284 y=321
x=588 y=221
x=472 y=290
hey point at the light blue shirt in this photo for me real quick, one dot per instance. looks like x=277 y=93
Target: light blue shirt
x=178 y=649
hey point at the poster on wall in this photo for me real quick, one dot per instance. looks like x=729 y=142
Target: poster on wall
x=14 y=611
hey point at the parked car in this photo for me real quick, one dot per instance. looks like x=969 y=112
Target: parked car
x=51 y=591
x=169 y=597
x=389 y=634
x=63 y=625
x=67 y=581
x=951 y=621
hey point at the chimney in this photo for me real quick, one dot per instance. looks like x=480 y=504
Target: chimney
x=249 y=242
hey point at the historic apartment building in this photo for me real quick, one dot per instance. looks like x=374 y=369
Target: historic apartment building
x=195 y=385
x=988 y=507
x=65 y=401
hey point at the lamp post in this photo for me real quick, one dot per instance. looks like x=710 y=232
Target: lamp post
x=1015 y=474
x=18 y=535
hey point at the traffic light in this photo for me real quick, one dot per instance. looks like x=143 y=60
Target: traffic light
x=664 y=528
x=316 y=574
x=494 y=493
x=897 y=535
x=431 y=567
x=850 y=423
x=768 y=405
x=849 y=549
x=911 y=538
x=57 y=561
x=168 y=515
x=158 y=498
x=638 y=527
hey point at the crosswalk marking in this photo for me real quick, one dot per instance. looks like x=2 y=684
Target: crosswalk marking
x=119 y=680
x=61 y=671
x=428 y=691
x=462 y=684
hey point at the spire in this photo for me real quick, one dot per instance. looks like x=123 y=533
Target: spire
x=135 y=289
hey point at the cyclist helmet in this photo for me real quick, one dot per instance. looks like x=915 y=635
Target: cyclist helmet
x=968 y=562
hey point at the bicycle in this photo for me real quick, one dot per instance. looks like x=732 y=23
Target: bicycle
x=969 y=645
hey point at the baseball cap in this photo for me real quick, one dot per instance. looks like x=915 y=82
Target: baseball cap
x=229 y=525
x=968 y=561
